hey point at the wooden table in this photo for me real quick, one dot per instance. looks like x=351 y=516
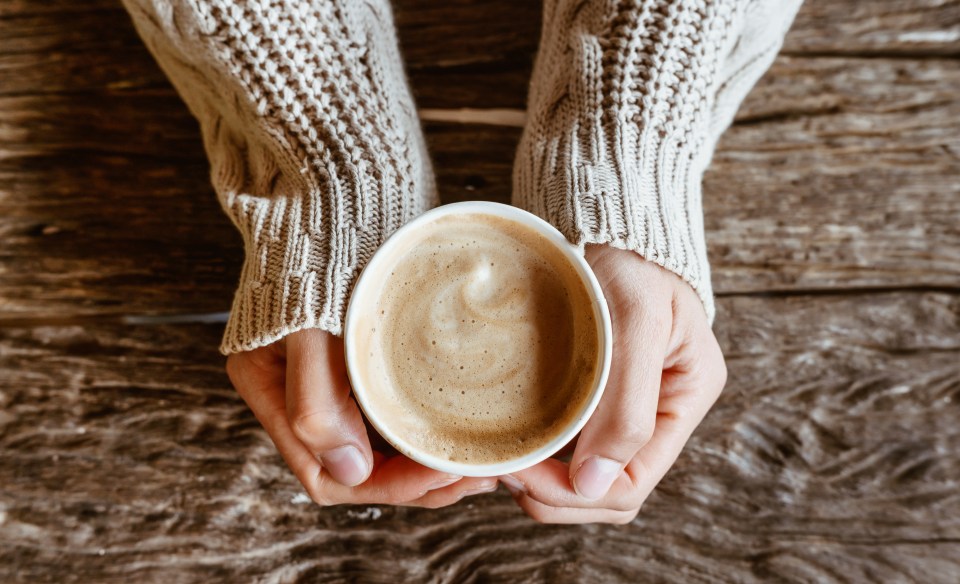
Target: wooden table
x=832 y=211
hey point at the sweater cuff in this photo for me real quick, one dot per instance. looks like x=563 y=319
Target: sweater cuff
x=287 y=285
x=661 y=222
x=647 y=198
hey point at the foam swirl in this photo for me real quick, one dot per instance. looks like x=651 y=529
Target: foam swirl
x=487 y=337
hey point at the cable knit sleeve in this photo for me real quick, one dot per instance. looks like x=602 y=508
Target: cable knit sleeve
x=315 y=148
x=627 y=101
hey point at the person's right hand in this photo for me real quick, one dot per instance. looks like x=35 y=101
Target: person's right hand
x=299 y=390
x=667 y=372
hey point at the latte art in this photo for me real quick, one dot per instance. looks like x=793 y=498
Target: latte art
x=484 y=340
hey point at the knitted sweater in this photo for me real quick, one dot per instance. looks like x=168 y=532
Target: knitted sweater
x=317 y=155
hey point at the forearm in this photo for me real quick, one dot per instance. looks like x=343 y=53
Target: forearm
x=315 y=148
x=627 y=102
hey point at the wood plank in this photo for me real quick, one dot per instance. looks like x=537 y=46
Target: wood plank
x=106 y=208
x=833 y=456
x=458 y=54
x=465 y=53
x=469 y=53
x=472 y=161
x=839 y=173
x=65 y=46
x=906 y=28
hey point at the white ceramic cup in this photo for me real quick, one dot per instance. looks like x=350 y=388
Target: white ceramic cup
x=364 y=300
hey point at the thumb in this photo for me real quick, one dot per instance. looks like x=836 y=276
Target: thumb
x=625 y=418
x=321 y=412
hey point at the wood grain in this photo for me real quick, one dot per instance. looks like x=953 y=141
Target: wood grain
x=832 y=207
x=902 y=28
x=106 y=207
x=463 y=53
x=839 y=173
x=833 y=456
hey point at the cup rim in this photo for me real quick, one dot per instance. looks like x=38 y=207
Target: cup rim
x=601 y=316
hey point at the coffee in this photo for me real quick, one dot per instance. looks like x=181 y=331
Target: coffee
x=482 y=344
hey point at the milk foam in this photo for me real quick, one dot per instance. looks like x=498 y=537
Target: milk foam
x=484 y=340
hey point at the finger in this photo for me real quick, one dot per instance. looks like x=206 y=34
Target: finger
x=548 y=482
x=393 y=481
x=625 y=418
x=466 y=487
x=547 y=514
x=265 y=398
x=321 y=411
x=688 y=394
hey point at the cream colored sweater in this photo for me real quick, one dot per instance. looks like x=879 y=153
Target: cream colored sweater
x=317 y=155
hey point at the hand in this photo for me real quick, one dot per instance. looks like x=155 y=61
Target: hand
x=667 y=372
x=298 y=389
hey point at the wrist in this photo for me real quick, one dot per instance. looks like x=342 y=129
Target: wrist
x=626 y=265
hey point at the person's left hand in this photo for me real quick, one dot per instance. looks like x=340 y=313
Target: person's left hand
x=667 y=372
x=299 y=390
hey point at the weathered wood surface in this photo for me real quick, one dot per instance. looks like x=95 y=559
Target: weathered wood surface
x=459 y=53
x=833 y=456
x=905 y=28
x=832 y=212
x=841 y=173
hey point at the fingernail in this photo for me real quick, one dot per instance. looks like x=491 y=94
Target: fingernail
x=595 y=476
x=346 y=465
x=445 y=482
x=513 y=484
x=479 y=490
